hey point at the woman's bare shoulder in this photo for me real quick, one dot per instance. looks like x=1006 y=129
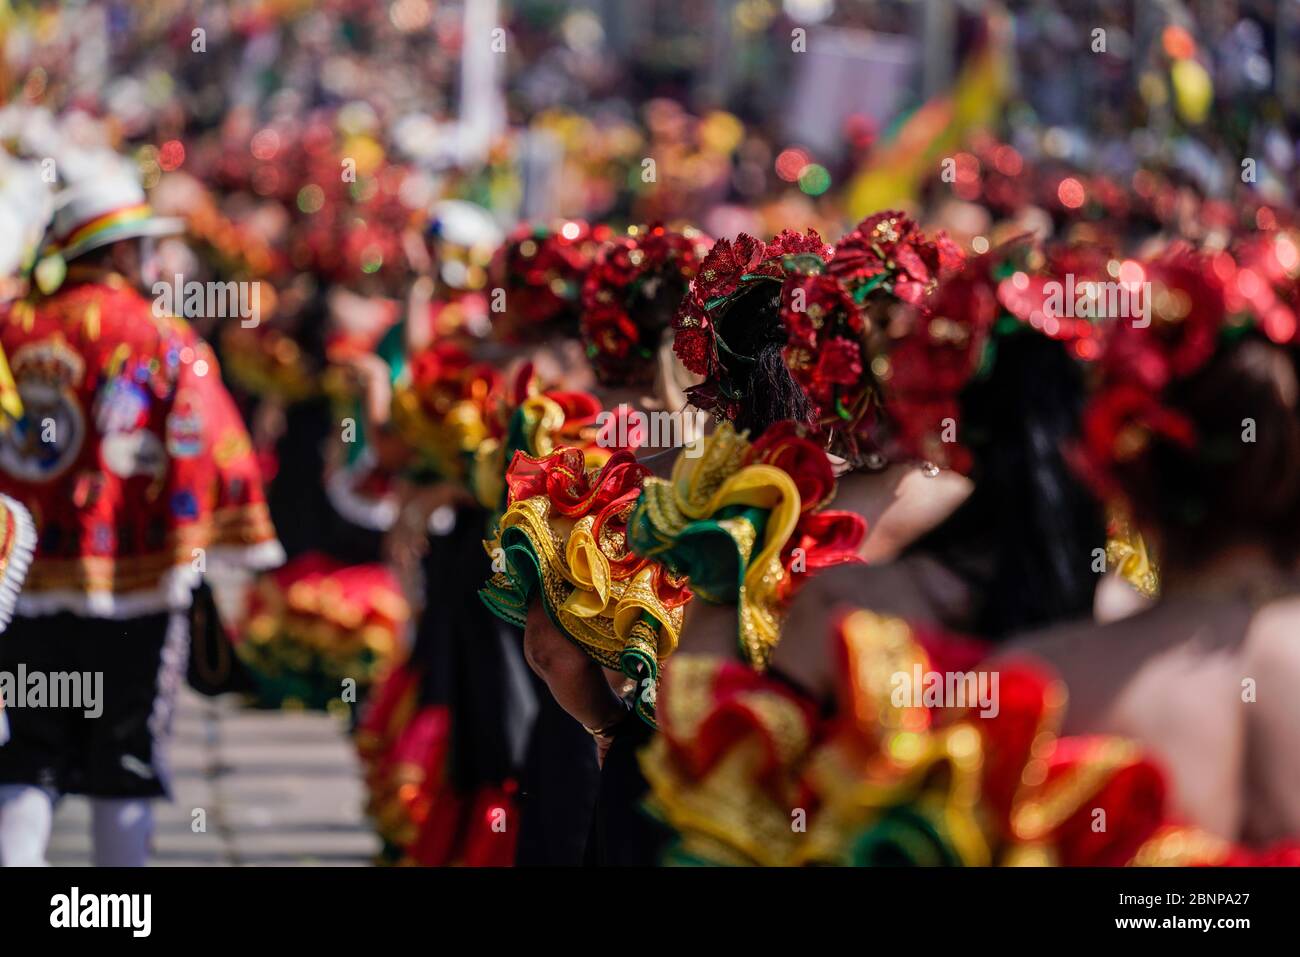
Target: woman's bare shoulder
x=1272 y=643
x=1103 y=662
x=1071 y=637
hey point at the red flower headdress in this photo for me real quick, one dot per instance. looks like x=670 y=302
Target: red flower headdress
x=889 y=252
x=1196 y=300
x=928 y=367
x=825 y=349
x=937 y=350
x=646 y=265
x=542 y=271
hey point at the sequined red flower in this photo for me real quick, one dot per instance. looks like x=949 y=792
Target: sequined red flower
x=728 y=260
x=693 y=339
x=816 y=307
x=889 y=250
x=542 y=270
x=943 y=346
x=788 y=242
x=933 y=361
x=610 y=336
x=630 y=295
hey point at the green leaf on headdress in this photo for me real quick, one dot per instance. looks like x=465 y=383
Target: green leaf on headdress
x=1006 y=325
x=1004 y=269
x=1236 y=327
x=867 y=288
x=723 y=347
x=987 y=358
x=804 y=264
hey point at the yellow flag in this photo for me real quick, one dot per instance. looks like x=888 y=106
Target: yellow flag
x=10 y=402
x=894 y=175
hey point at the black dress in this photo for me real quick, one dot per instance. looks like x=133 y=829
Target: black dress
x=558 y=787
x=622 y=833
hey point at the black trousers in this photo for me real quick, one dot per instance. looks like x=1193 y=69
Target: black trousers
x=133 y=667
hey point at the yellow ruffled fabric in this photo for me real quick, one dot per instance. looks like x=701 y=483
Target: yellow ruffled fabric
x=726 y=816
x=704 y=484
x=743 y=775
x=1126 y=551
x=447 y=443
x=605 y=614
x=539 y=429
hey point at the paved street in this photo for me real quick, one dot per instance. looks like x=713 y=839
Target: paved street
x=276 y=788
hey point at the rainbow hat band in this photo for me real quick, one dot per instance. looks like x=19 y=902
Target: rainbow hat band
x=103 y=203
x=129 y=222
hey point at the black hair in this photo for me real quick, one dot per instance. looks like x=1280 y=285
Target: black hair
x=754 y=335
x=1227 y=489
x=651 y=309
x=1024 y=540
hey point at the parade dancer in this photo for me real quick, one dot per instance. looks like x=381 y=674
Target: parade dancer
x=138 y=472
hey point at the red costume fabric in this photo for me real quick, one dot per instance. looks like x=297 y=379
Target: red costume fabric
x=131 y=456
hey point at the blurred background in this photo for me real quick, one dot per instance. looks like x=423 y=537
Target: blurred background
x=754 y=112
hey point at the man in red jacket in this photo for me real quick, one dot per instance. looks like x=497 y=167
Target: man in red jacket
x=137 y=471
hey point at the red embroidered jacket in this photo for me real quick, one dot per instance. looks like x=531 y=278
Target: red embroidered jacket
x=130 y=456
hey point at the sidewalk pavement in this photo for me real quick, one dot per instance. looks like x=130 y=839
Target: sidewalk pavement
x=274 y=788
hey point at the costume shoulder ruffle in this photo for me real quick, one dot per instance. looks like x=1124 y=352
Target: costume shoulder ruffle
x=747 y=771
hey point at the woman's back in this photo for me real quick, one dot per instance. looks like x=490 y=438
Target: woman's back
x=1207 y=682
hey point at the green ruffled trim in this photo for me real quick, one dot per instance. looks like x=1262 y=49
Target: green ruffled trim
x=711 y=555
x=640 y=662
x=508 y=595
x=903 y=837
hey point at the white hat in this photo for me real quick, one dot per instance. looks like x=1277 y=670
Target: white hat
x=103 y=203
x=465 y=224
x=26 y=204
x=467 y=236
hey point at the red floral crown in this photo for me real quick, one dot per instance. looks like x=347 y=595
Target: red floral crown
x=626 y=269
x=936 y=350
x=889 y=253
x=1197 y=301
x=928 y=366
x=827 y=298
x=542 y=270
x=825 y=331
